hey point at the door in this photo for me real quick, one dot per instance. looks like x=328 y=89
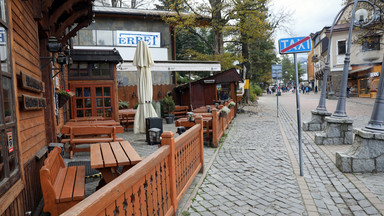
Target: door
x=93 y=100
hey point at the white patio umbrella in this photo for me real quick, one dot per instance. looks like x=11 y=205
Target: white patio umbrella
x=143 y=61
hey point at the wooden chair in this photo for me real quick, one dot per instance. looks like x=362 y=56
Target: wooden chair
x=180 y=111
x=62 y=187
x=127 y=120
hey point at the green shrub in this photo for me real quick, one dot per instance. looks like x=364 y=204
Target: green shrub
x=255 y=89
x=252 y=97
x=258 y=90
x=123 y=104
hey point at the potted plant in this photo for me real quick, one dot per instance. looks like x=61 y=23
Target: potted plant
x=168 y=106
x=224 y=111
x=123 y=104
x=64 y=96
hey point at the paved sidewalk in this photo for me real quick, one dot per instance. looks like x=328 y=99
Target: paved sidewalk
x=256 y=172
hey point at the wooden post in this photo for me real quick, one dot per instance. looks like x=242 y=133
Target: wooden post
x=199 y=120
x=168 y=139
x=215 y=129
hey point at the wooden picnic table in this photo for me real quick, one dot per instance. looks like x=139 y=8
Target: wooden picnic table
x=107 y=157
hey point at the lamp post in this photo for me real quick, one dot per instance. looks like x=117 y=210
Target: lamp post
x=340 y=109
x=376 y=124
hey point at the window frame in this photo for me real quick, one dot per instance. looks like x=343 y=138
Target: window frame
x=90 y=76
x=11 y=176
x=373 y=45
x=338 y=48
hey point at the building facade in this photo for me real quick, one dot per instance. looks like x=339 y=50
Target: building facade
x=30 y=117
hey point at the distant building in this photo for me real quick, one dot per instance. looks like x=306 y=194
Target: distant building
x=121 y=29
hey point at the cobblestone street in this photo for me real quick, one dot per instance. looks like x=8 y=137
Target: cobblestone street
x=256 y=170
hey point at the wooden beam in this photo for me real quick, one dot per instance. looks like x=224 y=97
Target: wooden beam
x=74 y=31
x=66 y=7
x=68 y=22
x=37 y=14
x=46 y=5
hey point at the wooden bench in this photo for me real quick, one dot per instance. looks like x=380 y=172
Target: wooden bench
x=180 y=111
x=90 y=134
x=62 y=187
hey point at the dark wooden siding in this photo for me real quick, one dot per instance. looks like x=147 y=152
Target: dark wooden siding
x=210 y=94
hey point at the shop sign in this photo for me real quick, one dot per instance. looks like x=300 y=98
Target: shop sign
x=33 y=103
x=10 y=142
x=218 y=87
x=132 y=38
x=374 y=74
x=2 y=36
x=30 y=83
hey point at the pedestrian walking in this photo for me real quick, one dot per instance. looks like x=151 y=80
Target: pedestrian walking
x=348 y=90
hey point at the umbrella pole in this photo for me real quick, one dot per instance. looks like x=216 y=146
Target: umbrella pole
x=190 y=91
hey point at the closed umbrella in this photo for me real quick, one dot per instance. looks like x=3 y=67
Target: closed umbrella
x=143 y=61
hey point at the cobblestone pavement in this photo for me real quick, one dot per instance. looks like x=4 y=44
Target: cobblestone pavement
x=252 y=173
x=256 y=171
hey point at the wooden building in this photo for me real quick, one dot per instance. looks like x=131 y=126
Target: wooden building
x=29 y=116
x=93 y=79
x=208 y=91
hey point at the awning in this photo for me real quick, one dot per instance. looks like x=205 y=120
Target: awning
x=361 y=69
x=175 y=66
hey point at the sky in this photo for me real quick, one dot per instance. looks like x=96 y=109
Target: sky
x=308 y=16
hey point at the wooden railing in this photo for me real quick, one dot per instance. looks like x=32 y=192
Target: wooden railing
x=156 y=184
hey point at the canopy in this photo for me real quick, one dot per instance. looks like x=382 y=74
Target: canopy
x=143 y=61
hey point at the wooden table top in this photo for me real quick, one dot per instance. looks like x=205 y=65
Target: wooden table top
x=113 y=154
x=127 y=111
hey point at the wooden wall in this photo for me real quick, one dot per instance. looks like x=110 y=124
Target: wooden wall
x=24 y=42
x=25 y=55
x=125 y=93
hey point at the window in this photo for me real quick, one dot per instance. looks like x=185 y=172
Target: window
x=93 y=100
x=94 y=38
x=341 y=47
x=371 y=43
x=9 y=169
x=94 y=70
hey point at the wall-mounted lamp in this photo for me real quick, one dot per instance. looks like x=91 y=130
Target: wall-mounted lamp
x=159 y=94
x=53 y=45
x=133 y=95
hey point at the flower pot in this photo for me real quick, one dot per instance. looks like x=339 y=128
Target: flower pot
x=223 y=114
x=63 y=100
x=169 y=119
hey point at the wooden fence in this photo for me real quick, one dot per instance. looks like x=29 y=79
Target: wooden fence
x=156 y=184
x=220 y=123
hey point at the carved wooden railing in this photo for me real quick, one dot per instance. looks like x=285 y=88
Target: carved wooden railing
x=156 y=184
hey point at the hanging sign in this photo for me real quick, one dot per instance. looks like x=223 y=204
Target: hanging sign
x=10 y=142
